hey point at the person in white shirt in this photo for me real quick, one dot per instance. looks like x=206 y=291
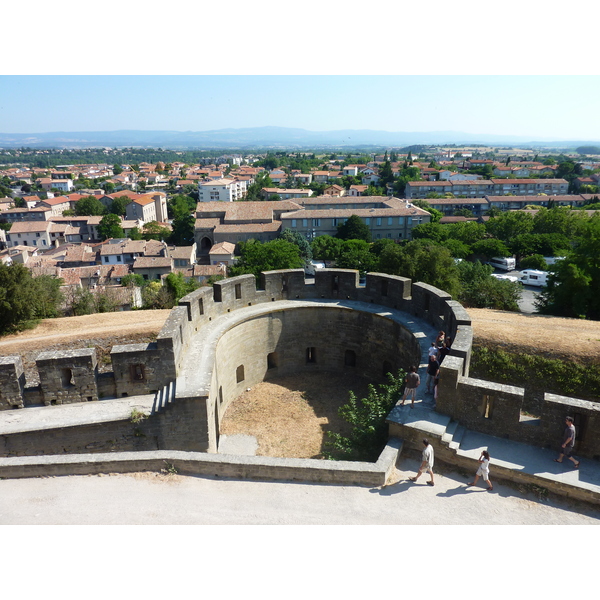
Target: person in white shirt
x=426 y=463
x=483 y=471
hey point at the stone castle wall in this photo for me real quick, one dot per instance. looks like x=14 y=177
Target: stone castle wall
x=277 y=342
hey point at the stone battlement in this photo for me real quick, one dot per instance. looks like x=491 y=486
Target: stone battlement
x=219 y=340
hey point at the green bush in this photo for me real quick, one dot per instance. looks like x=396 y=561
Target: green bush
x=550 y=374
x=367 y=417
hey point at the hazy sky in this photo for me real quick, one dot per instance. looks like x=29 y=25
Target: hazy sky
x=539 y=107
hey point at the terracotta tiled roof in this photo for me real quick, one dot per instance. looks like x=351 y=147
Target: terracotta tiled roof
x=222 y=248
x=152 y=262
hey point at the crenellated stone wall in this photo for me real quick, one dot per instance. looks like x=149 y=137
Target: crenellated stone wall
x=68 y=376
x=280 y=325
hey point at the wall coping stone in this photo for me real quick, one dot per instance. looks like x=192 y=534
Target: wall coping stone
x=200 y=463
x=39 y=418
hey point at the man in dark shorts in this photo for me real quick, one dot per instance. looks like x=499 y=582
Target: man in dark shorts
x=412 y=382
x=568 y=443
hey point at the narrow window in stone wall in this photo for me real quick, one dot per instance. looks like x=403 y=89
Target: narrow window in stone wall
x=487 y=407
x=239 y=374
x=66 y=378
x=336 y=283
x=384 y=287
x=272 y=360
x=350 y=358
x=284 y=284
x=220 y=395
x=311 y=356
x=201 y=306
x=238 y=291
x=136 y=373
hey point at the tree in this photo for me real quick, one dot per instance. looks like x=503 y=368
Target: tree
x=433 y=231
x=262 y=180
x=436 y=215
x=535 y=261
x=180 y=205
x=156 y=295
x=325 y=247
x=256 y=257
x=468 y=232
x=110 y=227
x=559 y=220
x=154 y=231
x=108 y=187
x=183 y=230
x=464 y=212
x=385 y=174
x=179 y=287
x=356 y=254
x=297 y=238
x=24 y=298
x=489 y=248
x=354 y=228
x=135 y=234
x=509 y=224
x=134 y=279
x=423 y=261
x=573 y=288
x=480 y=290
x=89 y=206
x=119 y=205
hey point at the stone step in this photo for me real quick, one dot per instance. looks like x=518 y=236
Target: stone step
x=449 y=433
x=457 y=438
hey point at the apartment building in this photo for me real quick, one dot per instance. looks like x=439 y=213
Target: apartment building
x=147 y=208
x=389 y=218
x=221 y=190
x=486 y=187
x=32 y=233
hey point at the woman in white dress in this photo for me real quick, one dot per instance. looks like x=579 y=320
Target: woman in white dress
x=484 y=470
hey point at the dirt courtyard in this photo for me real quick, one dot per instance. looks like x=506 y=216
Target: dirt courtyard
x=289 y=417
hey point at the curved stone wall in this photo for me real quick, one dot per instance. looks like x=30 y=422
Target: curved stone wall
x=307 y=338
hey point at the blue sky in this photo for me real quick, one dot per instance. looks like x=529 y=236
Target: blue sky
x=540 y=107
x=517 y=70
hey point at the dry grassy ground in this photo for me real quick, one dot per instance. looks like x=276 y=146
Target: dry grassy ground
x=288 y=417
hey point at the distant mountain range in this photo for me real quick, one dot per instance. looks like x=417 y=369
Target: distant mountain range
x=265 y=137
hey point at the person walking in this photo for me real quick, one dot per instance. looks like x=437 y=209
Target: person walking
x=483 y=471
x=412 y=382
x=568 y=443
x=426 y=462
x=432 y=370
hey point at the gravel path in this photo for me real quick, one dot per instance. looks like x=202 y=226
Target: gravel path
x=173 y=499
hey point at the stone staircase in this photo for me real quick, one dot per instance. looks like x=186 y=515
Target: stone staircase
x=511 y=460
x=453 y=435
x=164 y=397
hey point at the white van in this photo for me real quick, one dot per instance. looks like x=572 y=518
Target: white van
x=534 y=277
x=506 y=264
x=310 y=267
